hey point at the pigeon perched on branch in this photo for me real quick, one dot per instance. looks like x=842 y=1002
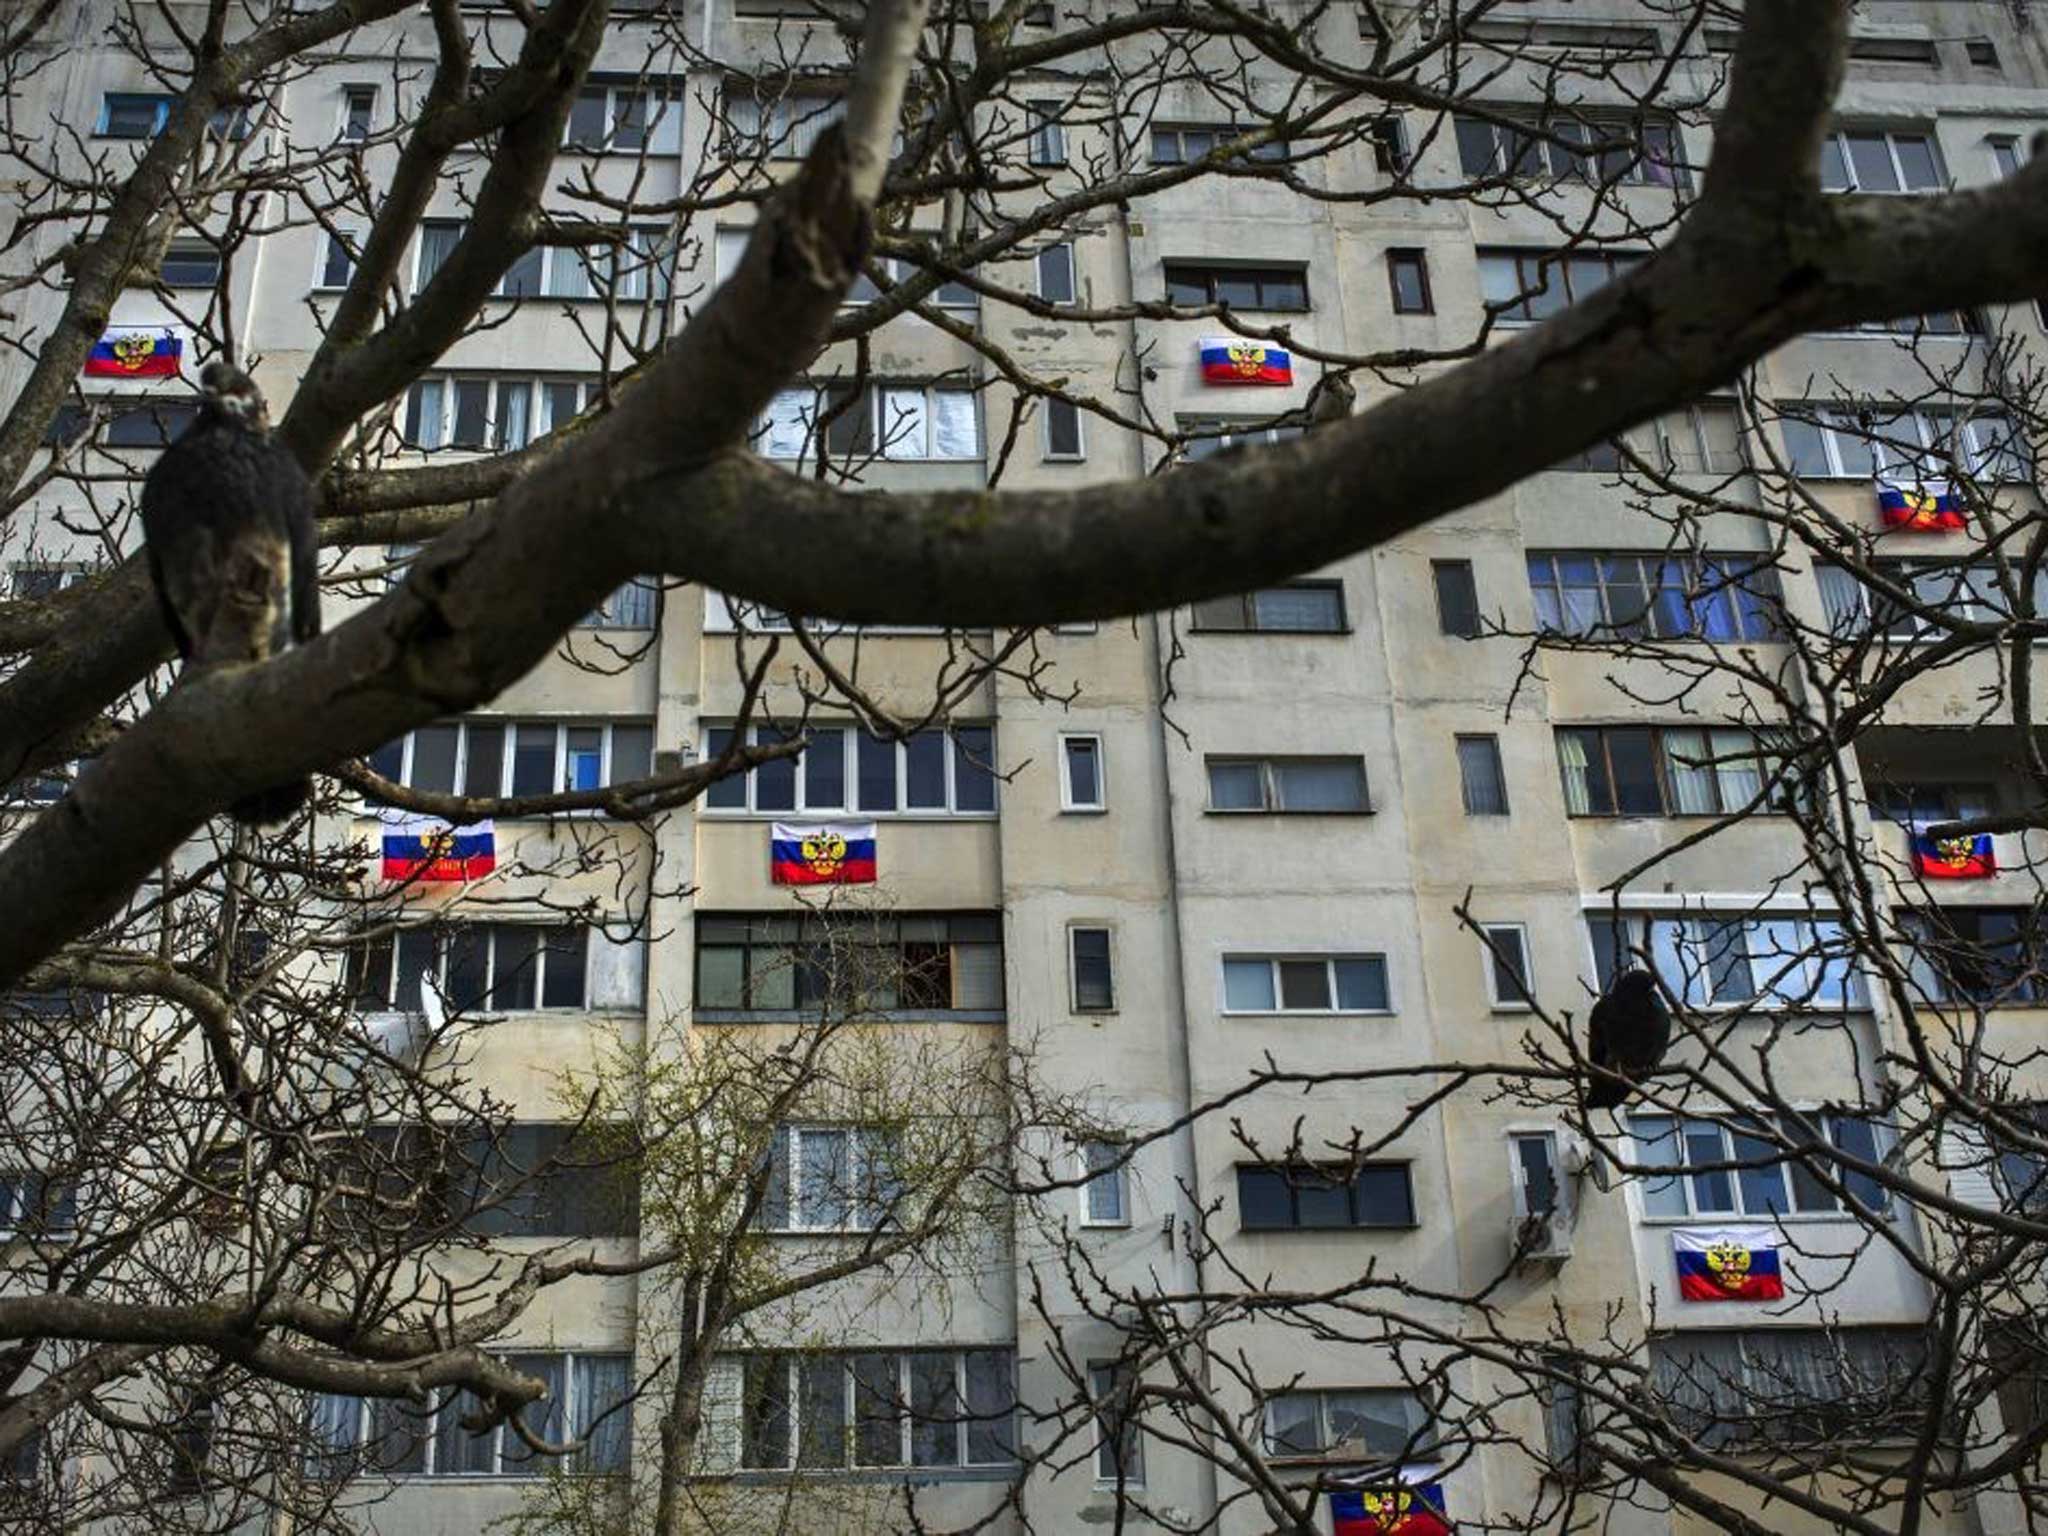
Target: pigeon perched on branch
x=1627 y=1034
x=227 y=520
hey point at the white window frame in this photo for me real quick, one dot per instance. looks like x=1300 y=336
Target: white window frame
x=2004 y=147
x=351 y=92
x=1935 y=428
x=790 y=409
x=1326 y=1444
x=1690 y=948
x=593 y=934
x=1046 y=137
x=1108 y=1379
x=194 y=245
x=1062 y=253
x=1115 y=1177
x=16 y=1192
x=792 y=1397
x=538 y=405
x=1500 y=771
x=1074 y=1003
x=1229 y=432
x=1489 y=963
x=509 y=727
x=1068 y=804
x=870 y=1160
x=1560 y=1181
x=849 y=736
x=1054 y=455
x=1638 y=1151
x=1839 y=136
x=789 y=124
x=1270 y=785
x=1329 y=959
x=661 y=120
x=330 y=241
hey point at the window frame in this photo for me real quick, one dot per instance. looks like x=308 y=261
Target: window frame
x=1546 y=264
x=1191 y=272
x=1117 y=1173
x=1682 y=1130
x=1046 y=138
x=1837 y=138
x=1773 y=791
x=354 y=93
x=509 y=727
x=1421 y=1444
x=1741 y=587
x=1520 y=153
x=1065 y=267
x=1355 y=1172
x=871 y=1203
x=1415 y=258
x=879 y=449
x=363 y=962
x=1119 y=1458
x=1074 y=963
x=332 y=241
x=792 y=935
x=1330 y=959
x=1683 y=936
x=1201 y=623
x=793 y=1430
x=851 y=738
x=1069 y=805
x=538 y=411
x=1269 y=781
x=1490 y=966
x=25 y=1191
x=1455 y=569
x=1497 y=766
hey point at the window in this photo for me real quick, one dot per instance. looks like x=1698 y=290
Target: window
x=1210 y=436
x=589 y=1397
x=495 y=756
x=939 y=965
x=1702 y=438
x=635 y=269
x=623 y=118
x=1082 y=785
x=1598 y=150
x=1792 y=1386
x=490 y=413
x=1857 y=442
x=1875 y=160
x=1408 y=276
x=1732 y=960
x=1056 y=273
x=32 y=582
x=830 y=1178
x=890 y=421
x=1305 y=984
x=1297 y=607
x=1480 y=777
x=1534 y=1166
x=123 y=426
x=1048 y=140
x=1389 y=139
x=1506 y=957
x=496 y=967
x=1526 y=286
x=933 y=773
x=521 y=1180
x=1354 y=1424
x=337 y=259
x=1186 y=144
x=876 y=1408
x=2006 y=155
x=1063 y=429
x=1309 y=1197
x=1240 y=287
x=36 y=1205
x=1915 y=804
x=1656 y=596
x=1103 y=1197
x=1119 y=1443
x=190 y=264
x=358 y=112
x=1094 y=978
x=1981 y=51
x=729 y=247
x=2022 y=1172
x=1704 y=1180
x=1886 y=49
x=784 y=128
x=1457 y=598
x=133 y=115
x=1989 y=955
x=1636 y=770
x=1288 y=785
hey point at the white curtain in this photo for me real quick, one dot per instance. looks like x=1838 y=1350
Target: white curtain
x=1571 y=756
x=956 y=424
x=1685 y=764
x=905 y=424
x=597 y=1383
x=1737 y=767
x=787 y=424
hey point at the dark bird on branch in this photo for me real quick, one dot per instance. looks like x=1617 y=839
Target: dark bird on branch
x=227 y=520
x=1627 y=1034
x=1332 y=399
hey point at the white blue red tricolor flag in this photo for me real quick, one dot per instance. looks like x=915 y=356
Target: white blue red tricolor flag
x=822 y=853
x=1728 y=1264
x=1931 y=507
x=1233 y=360
x=427 y=848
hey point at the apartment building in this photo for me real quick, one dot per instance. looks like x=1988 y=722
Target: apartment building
x=1200 y=846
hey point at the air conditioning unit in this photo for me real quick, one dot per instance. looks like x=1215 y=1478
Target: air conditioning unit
x=1545 y=1238
x=1545 y=1181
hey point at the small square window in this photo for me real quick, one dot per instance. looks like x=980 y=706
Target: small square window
x=1457 y=598
x=1507 y=966
x=1093 y=974
x=1062 y=429
x=1081 y=780
x=1480 y=776
x=1408 y=275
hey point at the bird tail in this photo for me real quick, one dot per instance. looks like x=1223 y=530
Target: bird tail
x=1606 y=1091
x=267 y=807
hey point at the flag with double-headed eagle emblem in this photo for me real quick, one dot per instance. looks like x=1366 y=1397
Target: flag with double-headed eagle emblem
x=1728 y=1264
x=1954 y=858
x=822 y=853
x=134 y=355
x=1233 y=360
x=427 y=848
x=1409 y=1509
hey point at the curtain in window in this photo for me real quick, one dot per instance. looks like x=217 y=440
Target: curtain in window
x=956 y=429
x=905 y=424
x=334 y=1429
x=1580 y=579
x=598 y=1383
x=788 y=423
x=1305 y=609
x=1737 y=767
x=423 y=423
x=1844 y=601
x=978 y=976
x=514 y=397
x=1685 y=766
x=545 y=1419
x=1571 y=756
x=437 y=244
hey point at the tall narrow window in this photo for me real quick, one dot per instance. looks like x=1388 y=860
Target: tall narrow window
x=1103 y=1197
x=1056 y=273
x=1408 y=275
x=1062 y=429
x=1457 y=598
x=1081 y=782
x=1119 y=1454
x=358 y=105
x=337 y=262
x=1507 y=965
x=1048 y=141
x=1094 y=976
x=1480 y=777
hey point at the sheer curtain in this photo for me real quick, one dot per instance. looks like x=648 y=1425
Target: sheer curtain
x=1686 y=766
x=599 y=1384
x=1737 y=767
x=1571 y=757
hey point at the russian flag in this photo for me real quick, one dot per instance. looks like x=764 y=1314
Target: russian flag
x=134 y=355
x=427 y=848
x=1932 y=507
x=1414 y=1510
x=822 y=853
x=1728 y=1264
x=1954 y=858
x=1233 y=360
